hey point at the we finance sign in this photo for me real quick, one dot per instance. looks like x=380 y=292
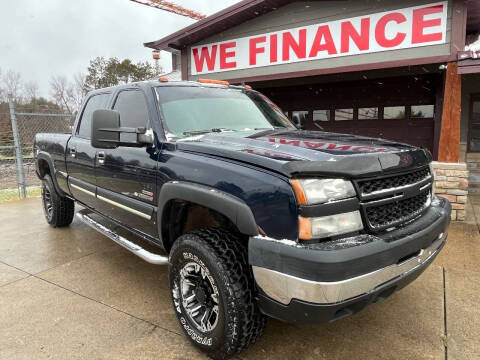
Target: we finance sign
x=390 y=30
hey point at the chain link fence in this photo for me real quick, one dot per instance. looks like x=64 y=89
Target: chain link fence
x=17 y=133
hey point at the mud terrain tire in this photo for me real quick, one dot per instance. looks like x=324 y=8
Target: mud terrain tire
x=58 y=209
x=215 y=259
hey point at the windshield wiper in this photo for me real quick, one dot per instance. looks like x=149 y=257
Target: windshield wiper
x=200 y=132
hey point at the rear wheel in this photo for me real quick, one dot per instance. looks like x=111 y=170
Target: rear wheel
x=212 y=291
x=58 y=210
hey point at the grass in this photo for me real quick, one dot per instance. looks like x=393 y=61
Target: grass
x=14 y=194
x=12 y=157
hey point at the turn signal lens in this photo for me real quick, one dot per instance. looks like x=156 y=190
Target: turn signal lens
x=298 y=189
x=211 y=81
x=304 y=228
x=163 y=79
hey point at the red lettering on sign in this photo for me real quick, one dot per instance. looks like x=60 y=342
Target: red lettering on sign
x=224 y=55
x=381 y=28
x=205 y=56
x=323 y=33
x=273 y=48
x=420 y=24
x=254 y=50
x=362 y=39
x=299 y=48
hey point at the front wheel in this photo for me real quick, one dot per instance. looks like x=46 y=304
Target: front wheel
x=58 y=209
x=212 y=291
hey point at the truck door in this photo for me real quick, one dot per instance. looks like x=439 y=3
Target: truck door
x=80 y=156
x=126 y=181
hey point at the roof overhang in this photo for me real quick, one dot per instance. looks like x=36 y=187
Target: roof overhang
x=246 y=10
x=225 y=19
x=468 y=62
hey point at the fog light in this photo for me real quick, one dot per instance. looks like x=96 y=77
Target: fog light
x=326 y=226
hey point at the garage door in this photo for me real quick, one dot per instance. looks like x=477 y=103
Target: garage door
x=400 y=108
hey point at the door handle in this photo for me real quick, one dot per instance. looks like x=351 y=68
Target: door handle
x=101 y=157
x=73 y=152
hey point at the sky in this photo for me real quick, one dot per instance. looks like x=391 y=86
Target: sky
x=41 y=38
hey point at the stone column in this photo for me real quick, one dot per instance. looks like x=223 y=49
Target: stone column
x=451 y=182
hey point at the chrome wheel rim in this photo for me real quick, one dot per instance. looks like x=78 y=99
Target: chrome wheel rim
x=198 y=295
x=47 y=201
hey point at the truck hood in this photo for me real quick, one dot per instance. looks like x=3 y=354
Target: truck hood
x=294 y=152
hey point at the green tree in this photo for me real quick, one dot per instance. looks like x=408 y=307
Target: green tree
x=104 y=73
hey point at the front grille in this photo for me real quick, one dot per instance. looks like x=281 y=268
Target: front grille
x=388 y=183
x=394 y=213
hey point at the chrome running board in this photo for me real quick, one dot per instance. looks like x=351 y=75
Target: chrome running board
x=148 y=256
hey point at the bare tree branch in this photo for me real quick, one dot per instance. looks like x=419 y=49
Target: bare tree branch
x=61 y=92
x=31 y=90
x=79 y=89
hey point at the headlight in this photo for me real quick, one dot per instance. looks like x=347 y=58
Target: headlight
x=317 y=191
x=326 y=226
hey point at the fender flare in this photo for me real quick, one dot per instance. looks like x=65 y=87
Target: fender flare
x=235 y=209
x=45 y=156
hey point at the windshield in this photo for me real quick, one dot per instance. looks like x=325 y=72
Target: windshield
x=194 y=110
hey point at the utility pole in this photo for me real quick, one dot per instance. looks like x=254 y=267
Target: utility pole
x=156 y=59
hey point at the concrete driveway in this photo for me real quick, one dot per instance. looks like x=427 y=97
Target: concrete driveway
x=74 y=294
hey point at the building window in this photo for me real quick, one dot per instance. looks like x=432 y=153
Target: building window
x=299 y=118
x=394 y=112
x=343 y=114
x=321 y=115
x=368 y=113
x=423 y=111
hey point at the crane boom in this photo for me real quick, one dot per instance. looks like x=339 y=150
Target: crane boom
x=170 y=7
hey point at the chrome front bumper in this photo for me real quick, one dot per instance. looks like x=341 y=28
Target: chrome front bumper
x=283 y=287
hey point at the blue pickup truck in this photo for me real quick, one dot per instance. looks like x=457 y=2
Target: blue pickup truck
x=254 y=217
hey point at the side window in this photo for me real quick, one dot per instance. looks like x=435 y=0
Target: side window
x=133 y=109
x=94 y=103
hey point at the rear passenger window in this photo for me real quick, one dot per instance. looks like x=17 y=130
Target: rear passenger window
x=94 y=103
x=133 y=109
